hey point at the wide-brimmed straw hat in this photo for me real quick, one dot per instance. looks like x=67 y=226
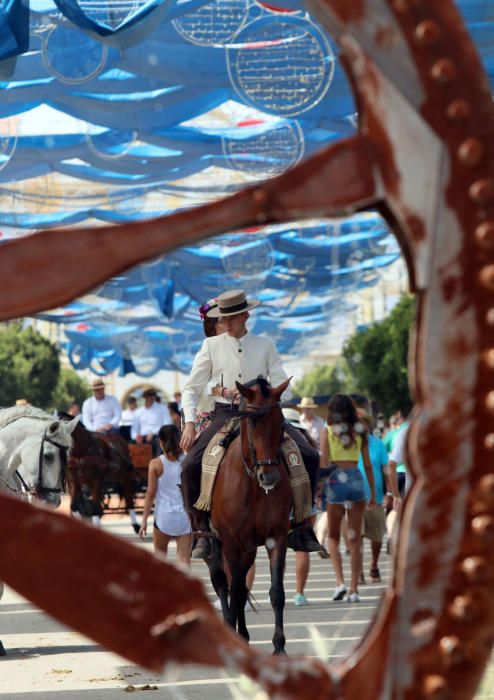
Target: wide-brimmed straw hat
x=231 y=303
x=292 y=416
x=98 y=383
x=307 y=402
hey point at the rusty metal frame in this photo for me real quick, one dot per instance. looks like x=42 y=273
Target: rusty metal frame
x=424 y=156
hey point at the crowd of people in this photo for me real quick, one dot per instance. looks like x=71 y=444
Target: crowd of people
x=357 y=474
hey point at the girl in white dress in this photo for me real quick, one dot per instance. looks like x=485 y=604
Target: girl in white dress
x=170 y=517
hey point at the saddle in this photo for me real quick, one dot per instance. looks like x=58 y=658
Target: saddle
x=211 y=460
x=215 y=451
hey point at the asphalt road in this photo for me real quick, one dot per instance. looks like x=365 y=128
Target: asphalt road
x=48 y=661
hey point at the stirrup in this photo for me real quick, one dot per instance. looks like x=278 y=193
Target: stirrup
x=202 y=548
x=301 y=538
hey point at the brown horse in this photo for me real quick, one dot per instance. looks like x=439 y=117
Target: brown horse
x=97 y=461
x=251 y=504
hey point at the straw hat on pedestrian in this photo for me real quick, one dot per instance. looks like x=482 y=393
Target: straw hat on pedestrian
x=307 y=402
x=98 y=383
x=232 y=303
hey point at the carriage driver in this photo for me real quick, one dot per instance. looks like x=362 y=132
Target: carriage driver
x=235 y=355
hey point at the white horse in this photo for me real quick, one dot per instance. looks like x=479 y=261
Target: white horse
x=33 y=448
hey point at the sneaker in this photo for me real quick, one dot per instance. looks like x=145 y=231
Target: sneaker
x=300 y=599
x=375 y=575
x=353 y=598
x=339 y=592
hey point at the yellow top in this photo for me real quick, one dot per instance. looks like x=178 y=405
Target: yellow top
x=338 y=452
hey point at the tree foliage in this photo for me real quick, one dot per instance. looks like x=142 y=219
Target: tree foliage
x=70 y=388
x=377 y=358
x=29 y=366
x=323 y=380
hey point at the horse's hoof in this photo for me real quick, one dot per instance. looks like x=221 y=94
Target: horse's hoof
x=136 y=528
x=2 y=650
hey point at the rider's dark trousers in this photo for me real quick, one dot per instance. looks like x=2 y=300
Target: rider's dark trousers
x=191 y=466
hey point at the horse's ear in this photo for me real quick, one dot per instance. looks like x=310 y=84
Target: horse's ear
x=278 y=390
x=245 y=391
x=53 y=427
x=70 y=425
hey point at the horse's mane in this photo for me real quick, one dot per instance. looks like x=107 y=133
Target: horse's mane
x=9 y=415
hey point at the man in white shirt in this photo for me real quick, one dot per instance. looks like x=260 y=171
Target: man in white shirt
x=235 y=355
x=309 y=419
x=127 y=419
x=101 y=412
x=148 y=421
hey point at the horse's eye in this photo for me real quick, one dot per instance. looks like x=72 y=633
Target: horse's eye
x=48 y=457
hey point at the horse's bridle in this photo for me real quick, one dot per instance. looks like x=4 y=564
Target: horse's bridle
x=41 y=490
x=248 y=415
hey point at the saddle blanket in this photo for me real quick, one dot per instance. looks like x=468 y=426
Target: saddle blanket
x=299 y=479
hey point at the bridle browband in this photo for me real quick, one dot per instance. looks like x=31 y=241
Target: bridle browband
x=258 y=411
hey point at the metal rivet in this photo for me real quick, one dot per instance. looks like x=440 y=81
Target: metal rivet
x=489 y=358
x=489 y=401
x=259 y=197
x=489 y=441
x=483 y=527
x=471 y=152
x=427 y=33
x=463 y=608
x=404 y=5
x=443 y=71
x=475 y=569
x=450 y=648
x=482 y=191
x=486 y=485
x=484 y=235
x=458 y=111
x=486 y=277
x=436 y=687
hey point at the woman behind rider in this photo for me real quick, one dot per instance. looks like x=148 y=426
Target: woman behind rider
x=170 y=518
x=212 y=326
x=342 y=441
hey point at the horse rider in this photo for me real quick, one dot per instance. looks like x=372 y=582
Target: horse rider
x=235 y=355
x=101 y=412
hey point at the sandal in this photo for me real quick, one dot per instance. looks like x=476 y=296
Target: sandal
x=375 y=575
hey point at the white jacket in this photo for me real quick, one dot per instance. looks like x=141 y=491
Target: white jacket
x=225 y=360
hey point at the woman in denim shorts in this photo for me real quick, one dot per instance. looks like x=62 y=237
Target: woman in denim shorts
x=342 y=441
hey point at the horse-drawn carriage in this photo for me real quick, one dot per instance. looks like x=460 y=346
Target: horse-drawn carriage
x=106 y=474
